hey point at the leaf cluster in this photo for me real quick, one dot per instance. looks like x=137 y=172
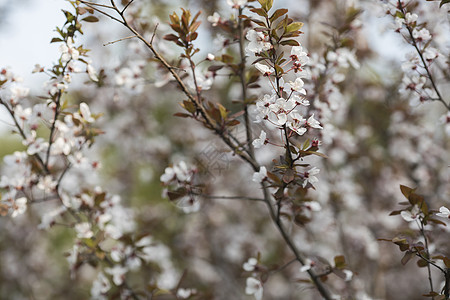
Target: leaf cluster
x=185 y=27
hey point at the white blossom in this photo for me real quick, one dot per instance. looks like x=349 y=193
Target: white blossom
x=309 y=176
x=86 y=113
x=422 y=35
x=19 y=207
x=297 y=123
x=412 y=215
x=444 y=212
x=84 y=230
x=297 y=85
x=118 y=274
x=348 y=275
x=254 y=287
x=264 y=69
x=259 y=142
x=258 y=41
x=313 y=122
x=411 y=18
x=250 y=264
x=307 y=266
x=214 y=19
x=236 y=3
x=68 y=51
x=185 y=293
x=47 y=183
x=100 y=286
x=261 y=175
x=91 y=72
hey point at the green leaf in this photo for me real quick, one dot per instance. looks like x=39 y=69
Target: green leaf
x=295 y=26
x=407 y=257
x=56 y=40
x=265 y=4
x=260 y=23
x=406 y=191
x=278 y=13
x=189 y=106
x=422 y=263
x=91 y=19
x=223 y=111
x=447 y=262
x=194 y=26
x=280 y=70
x=339 y=261
x=170 y=37
x=431 y=294
x=81 y=10
x=182 y=115
x=227 y=59
x=259 y=11
x=290 y=43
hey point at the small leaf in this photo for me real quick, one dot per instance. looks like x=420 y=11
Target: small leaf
x=422 y=263
x=81 y=10
x=259 y=11
x=189 y=106
x=406 y=191
x=56 y=40
x=431 y=294
x=233 y=123
x=395 y=212
x=288 y=176
x=182 y=115
x=339 y=261
x=223 y=111
x=227 y=59
x=170 y=37
x=90 y=19
x=214 y=68
x=289 y=43
x=407 y=257
x=278 y=13
x=447 y=262
x=437 y=221
x=295 y=26
x=194 y=26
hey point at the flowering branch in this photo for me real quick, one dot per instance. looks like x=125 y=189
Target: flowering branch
x=419 y=52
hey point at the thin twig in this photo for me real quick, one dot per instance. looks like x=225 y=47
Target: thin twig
x=428 y=260
x=126 y=6
x=430 y=280
x=119 y=40
x=96 y=4
x=101 y=11
x=284 y=266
